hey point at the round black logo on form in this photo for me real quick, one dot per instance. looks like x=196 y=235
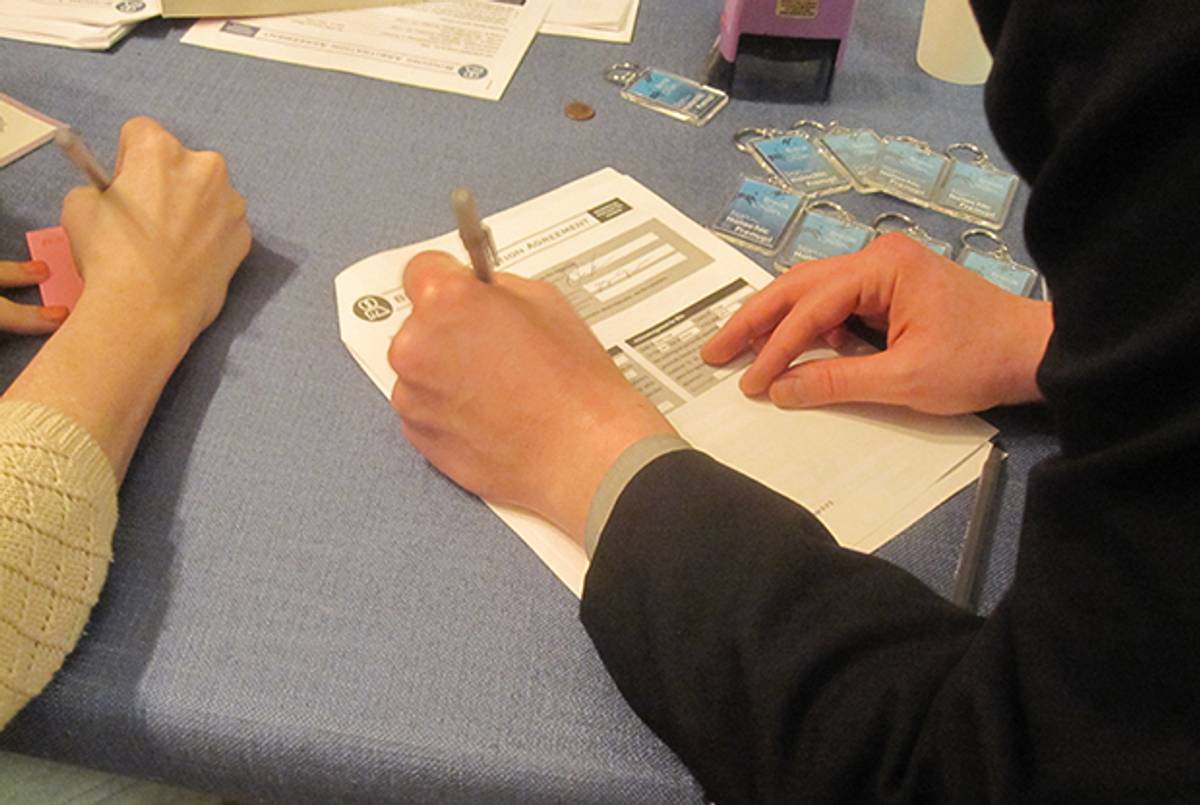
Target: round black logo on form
x=372 y=308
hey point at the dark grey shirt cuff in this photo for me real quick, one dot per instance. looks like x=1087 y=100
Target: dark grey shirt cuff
x=627 y=465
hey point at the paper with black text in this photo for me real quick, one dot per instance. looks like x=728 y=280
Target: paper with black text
x=654 y=285
x=470 y=47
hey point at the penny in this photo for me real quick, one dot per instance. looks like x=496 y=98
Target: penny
x=578 y=110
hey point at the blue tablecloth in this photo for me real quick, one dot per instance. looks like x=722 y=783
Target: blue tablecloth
x=300 y=608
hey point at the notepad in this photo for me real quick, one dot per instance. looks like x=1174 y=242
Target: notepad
x=52 y=247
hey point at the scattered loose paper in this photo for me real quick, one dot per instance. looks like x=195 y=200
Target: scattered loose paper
x=654 y=286
x=605 y=20
x=470 y=47
x=260 y=8
x=81 y=24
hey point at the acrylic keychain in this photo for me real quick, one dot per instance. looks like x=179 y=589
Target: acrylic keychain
x=672 y=95
x=758 y=215
x=824 y=229
x=899 y=222
x=796 y=156
x=856 y=151
x=909 y=170
x=995 y=264
x=975 y=190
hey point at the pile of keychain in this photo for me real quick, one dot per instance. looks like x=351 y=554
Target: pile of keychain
x=789 y=217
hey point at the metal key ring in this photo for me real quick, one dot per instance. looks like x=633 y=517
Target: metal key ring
x=999 y=247
x=805 y=123
x=742 y=135
x=622 y=73
x=906 y=223
x=838 y=209
x=979 y=156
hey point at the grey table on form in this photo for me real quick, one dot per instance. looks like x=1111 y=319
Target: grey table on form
x=300 y=608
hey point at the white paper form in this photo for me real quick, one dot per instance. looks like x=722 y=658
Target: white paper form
x=604 y=20
x=470 y=47
x=653 y=285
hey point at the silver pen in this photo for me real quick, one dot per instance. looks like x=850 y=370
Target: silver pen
x=78 y=153
x=476 y=237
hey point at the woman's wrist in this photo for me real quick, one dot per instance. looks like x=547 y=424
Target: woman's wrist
x=105 y=367
x=161 y=328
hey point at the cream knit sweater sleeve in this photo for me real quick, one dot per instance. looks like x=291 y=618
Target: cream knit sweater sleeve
x=58 y=509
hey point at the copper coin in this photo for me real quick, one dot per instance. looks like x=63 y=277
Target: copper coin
x=578 y=110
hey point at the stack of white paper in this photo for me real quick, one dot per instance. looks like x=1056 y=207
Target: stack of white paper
x=82 y=24
x=606 y=20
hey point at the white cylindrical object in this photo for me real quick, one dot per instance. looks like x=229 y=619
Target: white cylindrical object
x=950 y=46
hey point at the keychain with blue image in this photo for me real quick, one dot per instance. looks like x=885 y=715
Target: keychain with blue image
x=994 y=264
x=667 y=93
x=758 y=215
x=823 y=229
x=975 y=190
x=899 y=222
x=796 y=156
x=909 y=169
x=856 y=151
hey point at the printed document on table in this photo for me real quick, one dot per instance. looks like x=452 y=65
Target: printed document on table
x=60 y=33
x=260 y=8
x=604 y=20
x=654 y=286
x=82 y=24
x=471 y=47
x=90 y=12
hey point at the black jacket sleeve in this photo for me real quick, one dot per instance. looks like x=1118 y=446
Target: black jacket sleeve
x=784 y=669
x=779 y=666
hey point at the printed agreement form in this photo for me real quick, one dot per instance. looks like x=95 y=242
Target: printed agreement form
x=654 y=286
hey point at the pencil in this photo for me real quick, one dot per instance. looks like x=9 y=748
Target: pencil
x=75 y=150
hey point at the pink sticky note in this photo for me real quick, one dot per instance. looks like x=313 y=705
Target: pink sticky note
x=51 y=246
